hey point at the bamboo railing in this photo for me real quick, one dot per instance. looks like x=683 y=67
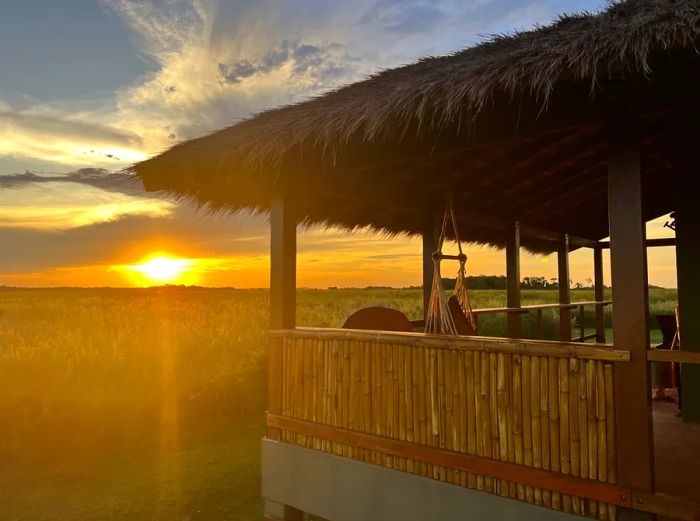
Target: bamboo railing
x=527 y=420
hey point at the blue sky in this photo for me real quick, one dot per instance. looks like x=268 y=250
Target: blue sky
x=92 y=86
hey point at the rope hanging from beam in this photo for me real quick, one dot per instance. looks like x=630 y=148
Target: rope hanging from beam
x=439 y=319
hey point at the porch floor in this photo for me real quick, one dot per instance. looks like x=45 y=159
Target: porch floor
x=677 y=453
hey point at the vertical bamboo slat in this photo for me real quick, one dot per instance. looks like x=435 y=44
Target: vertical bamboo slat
x=544 y=424
x=612 y=450
x=479 y=404
x=564 y=433
x=574 y=430
x=535 y=415
x=517 y=411
x=502 y=415
x=485 y=404
x=602 y=457
x=554 y=423
x=527 y=422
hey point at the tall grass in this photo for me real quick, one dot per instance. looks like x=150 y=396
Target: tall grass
x=80 y=368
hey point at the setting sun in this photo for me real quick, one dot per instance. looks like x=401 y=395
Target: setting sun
x=160 y=269
x=163 y=269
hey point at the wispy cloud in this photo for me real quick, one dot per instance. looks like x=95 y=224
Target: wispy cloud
x=96 y=177
x=47 y=134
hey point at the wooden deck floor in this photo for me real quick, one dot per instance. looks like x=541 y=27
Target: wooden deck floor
x=677 y=453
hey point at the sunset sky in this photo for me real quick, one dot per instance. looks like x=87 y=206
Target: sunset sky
x=89 y=87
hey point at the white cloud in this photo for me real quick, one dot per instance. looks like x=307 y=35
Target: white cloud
x=49 y=135
x=65 y=206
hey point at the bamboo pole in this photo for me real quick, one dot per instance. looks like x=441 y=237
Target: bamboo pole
x=425 y=420
x=400 y=376
x=502 y=415
x=328 y=393
x=574 y=429
x=545 y=424
x=461 y=404
x=536 y=421
x=583 y=425
x=516 y=409
x=601 y=425
x=442 y=408
x=446 y=410
x=376 y=396
x=417 y=405
x=470 y=386
x=527 y=422
x=367 y=390
x=610 y=441
x=485 y=390
x=408 y=402
x=510 y=421
x=555 y=426
x=345 y=391
x=591 y=426
x=459 y=412
x=564 y=423
x=493 y=401
x=479 y=404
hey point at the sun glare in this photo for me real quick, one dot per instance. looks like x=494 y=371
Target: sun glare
x=161 y=269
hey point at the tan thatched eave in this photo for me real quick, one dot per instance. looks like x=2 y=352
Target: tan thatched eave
x=514 y=128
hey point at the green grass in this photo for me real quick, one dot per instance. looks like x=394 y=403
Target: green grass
x=147 y=404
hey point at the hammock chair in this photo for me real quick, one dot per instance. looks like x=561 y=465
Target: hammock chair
x=453 y=316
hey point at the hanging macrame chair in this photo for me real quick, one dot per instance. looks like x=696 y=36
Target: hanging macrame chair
x=454 y=315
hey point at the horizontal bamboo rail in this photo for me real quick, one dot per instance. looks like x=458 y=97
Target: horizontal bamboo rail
x=525 y=405
x=673 y=355
x=603 y=352
x=535 y=307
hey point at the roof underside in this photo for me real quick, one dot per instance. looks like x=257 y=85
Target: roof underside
x=518 y=128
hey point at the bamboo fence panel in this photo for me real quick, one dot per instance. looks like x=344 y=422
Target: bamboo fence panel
x=546 y=412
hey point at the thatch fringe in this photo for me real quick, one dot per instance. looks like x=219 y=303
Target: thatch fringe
x=235 y=168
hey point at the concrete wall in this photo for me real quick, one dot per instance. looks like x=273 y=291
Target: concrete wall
x=341 y=489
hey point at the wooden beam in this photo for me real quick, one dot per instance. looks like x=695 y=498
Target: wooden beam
x=599 y=293
x=673 y=355
x=649 y=243
x=634 y=444
x=513 y=281
x=564 y=290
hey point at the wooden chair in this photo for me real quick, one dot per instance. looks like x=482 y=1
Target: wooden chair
x=462 y=324
x=378 y=319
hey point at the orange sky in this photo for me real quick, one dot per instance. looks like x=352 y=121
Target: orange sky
x=325 y=258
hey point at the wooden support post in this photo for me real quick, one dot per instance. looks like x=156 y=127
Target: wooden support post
x=633 y=420
x=564 y=290
x=513 y=281
x=283 y=246
x=599 y=294
x=686 y=168
x=431 y=236
x=283 y=251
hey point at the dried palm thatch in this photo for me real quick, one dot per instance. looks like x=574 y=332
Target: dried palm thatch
x=383 y=151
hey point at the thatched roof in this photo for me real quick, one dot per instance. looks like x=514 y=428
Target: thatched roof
x=513 y=128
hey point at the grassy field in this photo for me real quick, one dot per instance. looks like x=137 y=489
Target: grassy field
x=147 y=404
